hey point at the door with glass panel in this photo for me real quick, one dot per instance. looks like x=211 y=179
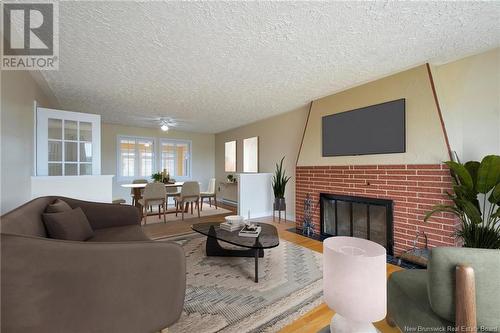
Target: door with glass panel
x=68 y=143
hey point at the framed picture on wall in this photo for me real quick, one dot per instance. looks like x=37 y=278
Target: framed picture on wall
x=251 y=154
x=230 y=156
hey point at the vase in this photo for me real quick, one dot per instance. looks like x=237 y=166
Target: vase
x=279 y=204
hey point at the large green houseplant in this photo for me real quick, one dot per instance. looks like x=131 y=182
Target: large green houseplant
x=280 y=179
x=476 y=201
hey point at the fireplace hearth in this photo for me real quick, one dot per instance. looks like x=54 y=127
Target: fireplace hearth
x=368 y=218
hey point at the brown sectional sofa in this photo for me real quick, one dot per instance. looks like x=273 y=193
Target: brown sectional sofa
x=117 y=281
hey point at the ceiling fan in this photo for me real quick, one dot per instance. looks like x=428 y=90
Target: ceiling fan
x=164 y=122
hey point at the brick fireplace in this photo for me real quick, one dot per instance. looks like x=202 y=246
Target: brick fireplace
x=413 y=189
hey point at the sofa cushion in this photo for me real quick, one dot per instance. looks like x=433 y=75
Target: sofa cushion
x=119 y=234
x=69 y=225
x=58 y=206
x=441 y=282
x=407 y=302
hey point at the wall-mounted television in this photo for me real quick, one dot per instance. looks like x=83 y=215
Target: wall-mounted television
x=376 y=129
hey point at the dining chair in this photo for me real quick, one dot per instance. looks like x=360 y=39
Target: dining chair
x=172 y=192
x=137 y=181
x=154 y=194
x=210 y=193
x=190 y=193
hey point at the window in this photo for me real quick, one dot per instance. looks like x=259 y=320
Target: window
x=175 y=156
x=230 y=156
x=135 y=157
x=67 y=143
x=251 y=154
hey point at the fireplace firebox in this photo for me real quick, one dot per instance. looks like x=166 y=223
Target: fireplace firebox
x=368 y=218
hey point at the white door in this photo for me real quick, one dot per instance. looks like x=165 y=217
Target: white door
x=67 y=143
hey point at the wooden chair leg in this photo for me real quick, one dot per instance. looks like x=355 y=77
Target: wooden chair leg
x=145 y=213
x=201 y=204
x=198 y=205
x=210 y=201
x=192 y=207
x=182 y=213
x=465 y=296
x=165 y=212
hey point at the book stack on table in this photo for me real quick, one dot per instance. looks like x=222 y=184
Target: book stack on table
x=230 y=226
x=233 y=223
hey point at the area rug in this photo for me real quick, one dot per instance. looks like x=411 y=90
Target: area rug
x=207 y=211
x=221 y=295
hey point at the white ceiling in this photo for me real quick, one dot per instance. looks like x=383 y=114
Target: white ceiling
x=218 y=65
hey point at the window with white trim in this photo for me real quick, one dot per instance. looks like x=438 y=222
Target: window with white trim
x=136 y=157
x=175 y=156
x=67 y=143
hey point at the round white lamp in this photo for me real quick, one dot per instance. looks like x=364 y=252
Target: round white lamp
x=354 y=283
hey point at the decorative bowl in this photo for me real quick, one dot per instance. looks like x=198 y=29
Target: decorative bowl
x=235 y=219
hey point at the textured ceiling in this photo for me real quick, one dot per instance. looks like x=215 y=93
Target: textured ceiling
x=213 y=66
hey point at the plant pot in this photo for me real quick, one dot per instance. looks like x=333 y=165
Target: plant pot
x=279 y=204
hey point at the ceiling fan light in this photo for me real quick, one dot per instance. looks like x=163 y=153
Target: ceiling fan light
x=164 y=127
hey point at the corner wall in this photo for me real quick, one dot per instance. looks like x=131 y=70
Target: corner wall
x=19 y=91
x=278 y=136
x=469 y=96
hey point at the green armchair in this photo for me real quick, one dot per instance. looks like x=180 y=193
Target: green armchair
x=460 y=288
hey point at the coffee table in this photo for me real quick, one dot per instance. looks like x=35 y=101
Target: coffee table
x=252 y=247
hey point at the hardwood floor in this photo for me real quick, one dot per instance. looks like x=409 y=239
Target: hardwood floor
x=310 y=322
x=157 y=230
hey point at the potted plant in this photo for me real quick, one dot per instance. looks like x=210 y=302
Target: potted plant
x=476 y=201
x=231 y=179
x=280 y=179
x=157 y=177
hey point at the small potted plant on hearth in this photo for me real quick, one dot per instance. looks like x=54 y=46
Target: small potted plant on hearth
x=280 y=179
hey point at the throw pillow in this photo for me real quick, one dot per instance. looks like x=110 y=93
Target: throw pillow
x=58 y=206
x=70 y=225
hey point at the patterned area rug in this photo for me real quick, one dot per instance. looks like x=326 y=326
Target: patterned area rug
x=221 y=295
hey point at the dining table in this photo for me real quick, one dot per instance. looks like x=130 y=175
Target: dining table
x=137 y=190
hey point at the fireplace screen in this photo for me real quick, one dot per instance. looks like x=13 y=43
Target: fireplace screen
x=366 y=218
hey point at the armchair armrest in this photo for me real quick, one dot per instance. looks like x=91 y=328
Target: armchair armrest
x=465 y=295
x=60 y=286
x=105 y=215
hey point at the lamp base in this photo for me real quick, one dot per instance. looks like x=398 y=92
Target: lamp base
x=340 y=324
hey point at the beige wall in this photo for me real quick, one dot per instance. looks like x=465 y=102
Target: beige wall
x=202 y=149
x=19 y=91
x=278 y=136
x=425 y=141
x=469 y=96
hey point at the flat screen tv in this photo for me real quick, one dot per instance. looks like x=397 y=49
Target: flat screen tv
x=376 y=129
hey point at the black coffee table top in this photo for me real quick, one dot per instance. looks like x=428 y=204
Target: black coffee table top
x=267 y=239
